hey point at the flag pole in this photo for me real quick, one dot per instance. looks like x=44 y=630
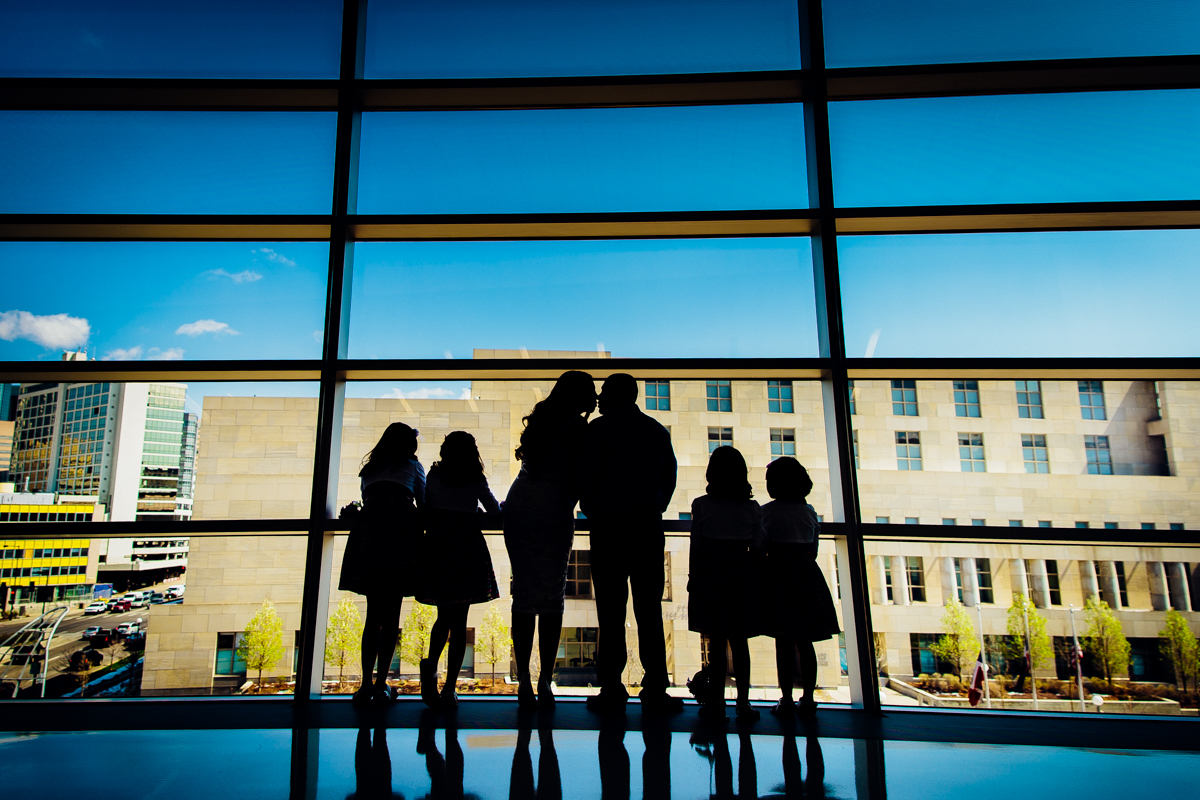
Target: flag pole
x=1029 y=651
x=987 y=690
x=1078 y=661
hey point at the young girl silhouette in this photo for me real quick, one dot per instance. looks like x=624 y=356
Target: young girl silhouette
x=456 y=563
x=379 y=559
x=726 y=524
x=801 y=608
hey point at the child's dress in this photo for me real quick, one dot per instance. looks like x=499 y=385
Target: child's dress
x=382 y=550
x=720 y=596
x=800 y=605
x=456 y=563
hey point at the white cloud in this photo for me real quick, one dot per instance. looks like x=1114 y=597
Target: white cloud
x=318 y=336
x=245 y=276
x=58 y=331
x=427 y=394
x=277 y=258
x=170 y=354
x=120 y=354
x=205 y=326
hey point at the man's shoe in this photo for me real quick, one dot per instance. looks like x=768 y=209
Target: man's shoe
x=607 y=702
x=660 y=703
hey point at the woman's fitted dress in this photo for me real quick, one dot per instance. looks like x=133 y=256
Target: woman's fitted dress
x=721 y=597
x=383 y=550
x=800 y=605
x=456 y=566
x=539 y=523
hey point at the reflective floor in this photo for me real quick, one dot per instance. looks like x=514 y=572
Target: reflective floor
x=435 y=763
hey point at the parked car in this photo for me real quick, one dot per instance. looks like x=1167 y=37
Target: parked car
x=156 y=598
x=175 y=591
x=119 y=606
x=139 y=600
x=103 y=638
x=88 y=633
x=136 y=640
x=99 y=607
x=126 y=628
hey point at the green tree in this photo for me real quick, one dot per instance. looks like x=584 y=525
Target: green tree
x=414 y=641
x=1179 y=646
x=959 y=645
x=262 y=641
x=1041 y=648
x=493 y=640
x=343 y=637
x=1105 y=642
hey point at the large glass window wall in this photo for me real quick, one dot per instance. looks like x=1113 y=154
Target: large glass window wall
x=437 y=252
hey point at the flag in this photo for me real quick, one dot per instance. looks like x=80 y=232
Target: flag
x=975 y=690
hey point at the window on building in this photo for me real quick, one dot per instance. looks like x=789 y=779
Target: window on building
x=958 y=580
x=783 y=441
x=1147 y=526
x=966 y=399
x=908 y=450
x=1015 y=523
x=658 y=395
x=719 y=395
x=924 y=662
x=904 y=398
x=912 y=520
x=949 y=521
x=915 y=568
x=718 y=437
x=1122 y=586
x=779 y=397
x=970 y=452
x=1099 y=457
x=685 y=515
x=1037 y=457
x=1029 y=400
x=983 y=574
x=1083 y=524
x=979 y=522
x=1052 y=582
x=1176 y=526
x=853 y=398
x=1091 y=399
x=579 y=574
x=227 y=661
x=1110 y=526
x=1044 y=523
x=577 y=649
x=887 y=578
x=882 y=520
x=705 y=650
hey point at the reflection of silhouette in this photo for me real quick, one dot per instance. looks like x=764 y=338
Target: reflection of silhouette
x=445 y=774
x=795 y=784
x=656 y=765
x=747 y=769
x=372 y=767
x=614 y=764
x=549 y=781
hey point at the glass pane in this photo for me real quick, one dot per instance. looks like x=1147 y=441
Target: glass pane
x=861 y=33
x=491 y=764
x=529 y=38
x=85 y=452
x=163 y=300
x=1095 y=146
x=577 y=160
x=166 y=162
x=1121 y=598
x=607 y=296
x=142 y=38
x=1021 y=294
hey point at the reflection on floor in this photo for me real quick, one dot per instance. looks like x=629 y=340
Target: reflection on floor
x=435 y=762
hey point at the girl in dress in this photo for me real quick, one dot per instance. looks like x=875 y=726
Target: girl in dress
x=456 y=563
x=726 y=524
x=539 y=523
x=377 y=562
x=802 y=610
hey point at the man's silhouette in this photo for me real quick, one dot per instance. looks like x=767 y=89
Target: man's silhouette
x=631 y=469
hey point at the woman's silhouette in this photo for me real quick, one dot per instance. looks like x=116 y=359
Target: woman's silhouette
x=539 y=526
x=549 y=780
x=379 y=560
x=456 y=563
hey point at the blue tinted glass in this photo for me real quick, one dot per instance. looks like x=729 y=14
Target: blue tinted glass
x=527 y=38
x=876 y=32
x=150 y=38
x=1095 y=146
x=163 y=300
x=643 y=298
x=1043 y=292
x=166 y=162
x=579 y=160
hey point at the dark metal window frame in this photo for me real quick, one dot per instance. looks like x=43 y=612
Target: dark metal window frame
x=823 y=221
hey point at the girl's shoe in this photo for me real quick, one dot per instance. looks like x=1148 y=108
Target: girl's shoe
x=429 y=690
x=449 y=699
x=747 y=712
x=807 y=708
x=545 y=695
x=384 y=694
x=526 y=699
x=364 y=695
x=784 y=708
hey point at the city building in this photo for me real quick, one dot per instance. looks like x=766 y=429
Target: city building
x=67 y=566
x=8 y=413
x=254 y=460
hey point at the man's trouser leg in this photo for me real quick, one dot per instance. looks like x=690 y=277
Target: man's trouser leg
x=610 y=583
x=646 y=578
